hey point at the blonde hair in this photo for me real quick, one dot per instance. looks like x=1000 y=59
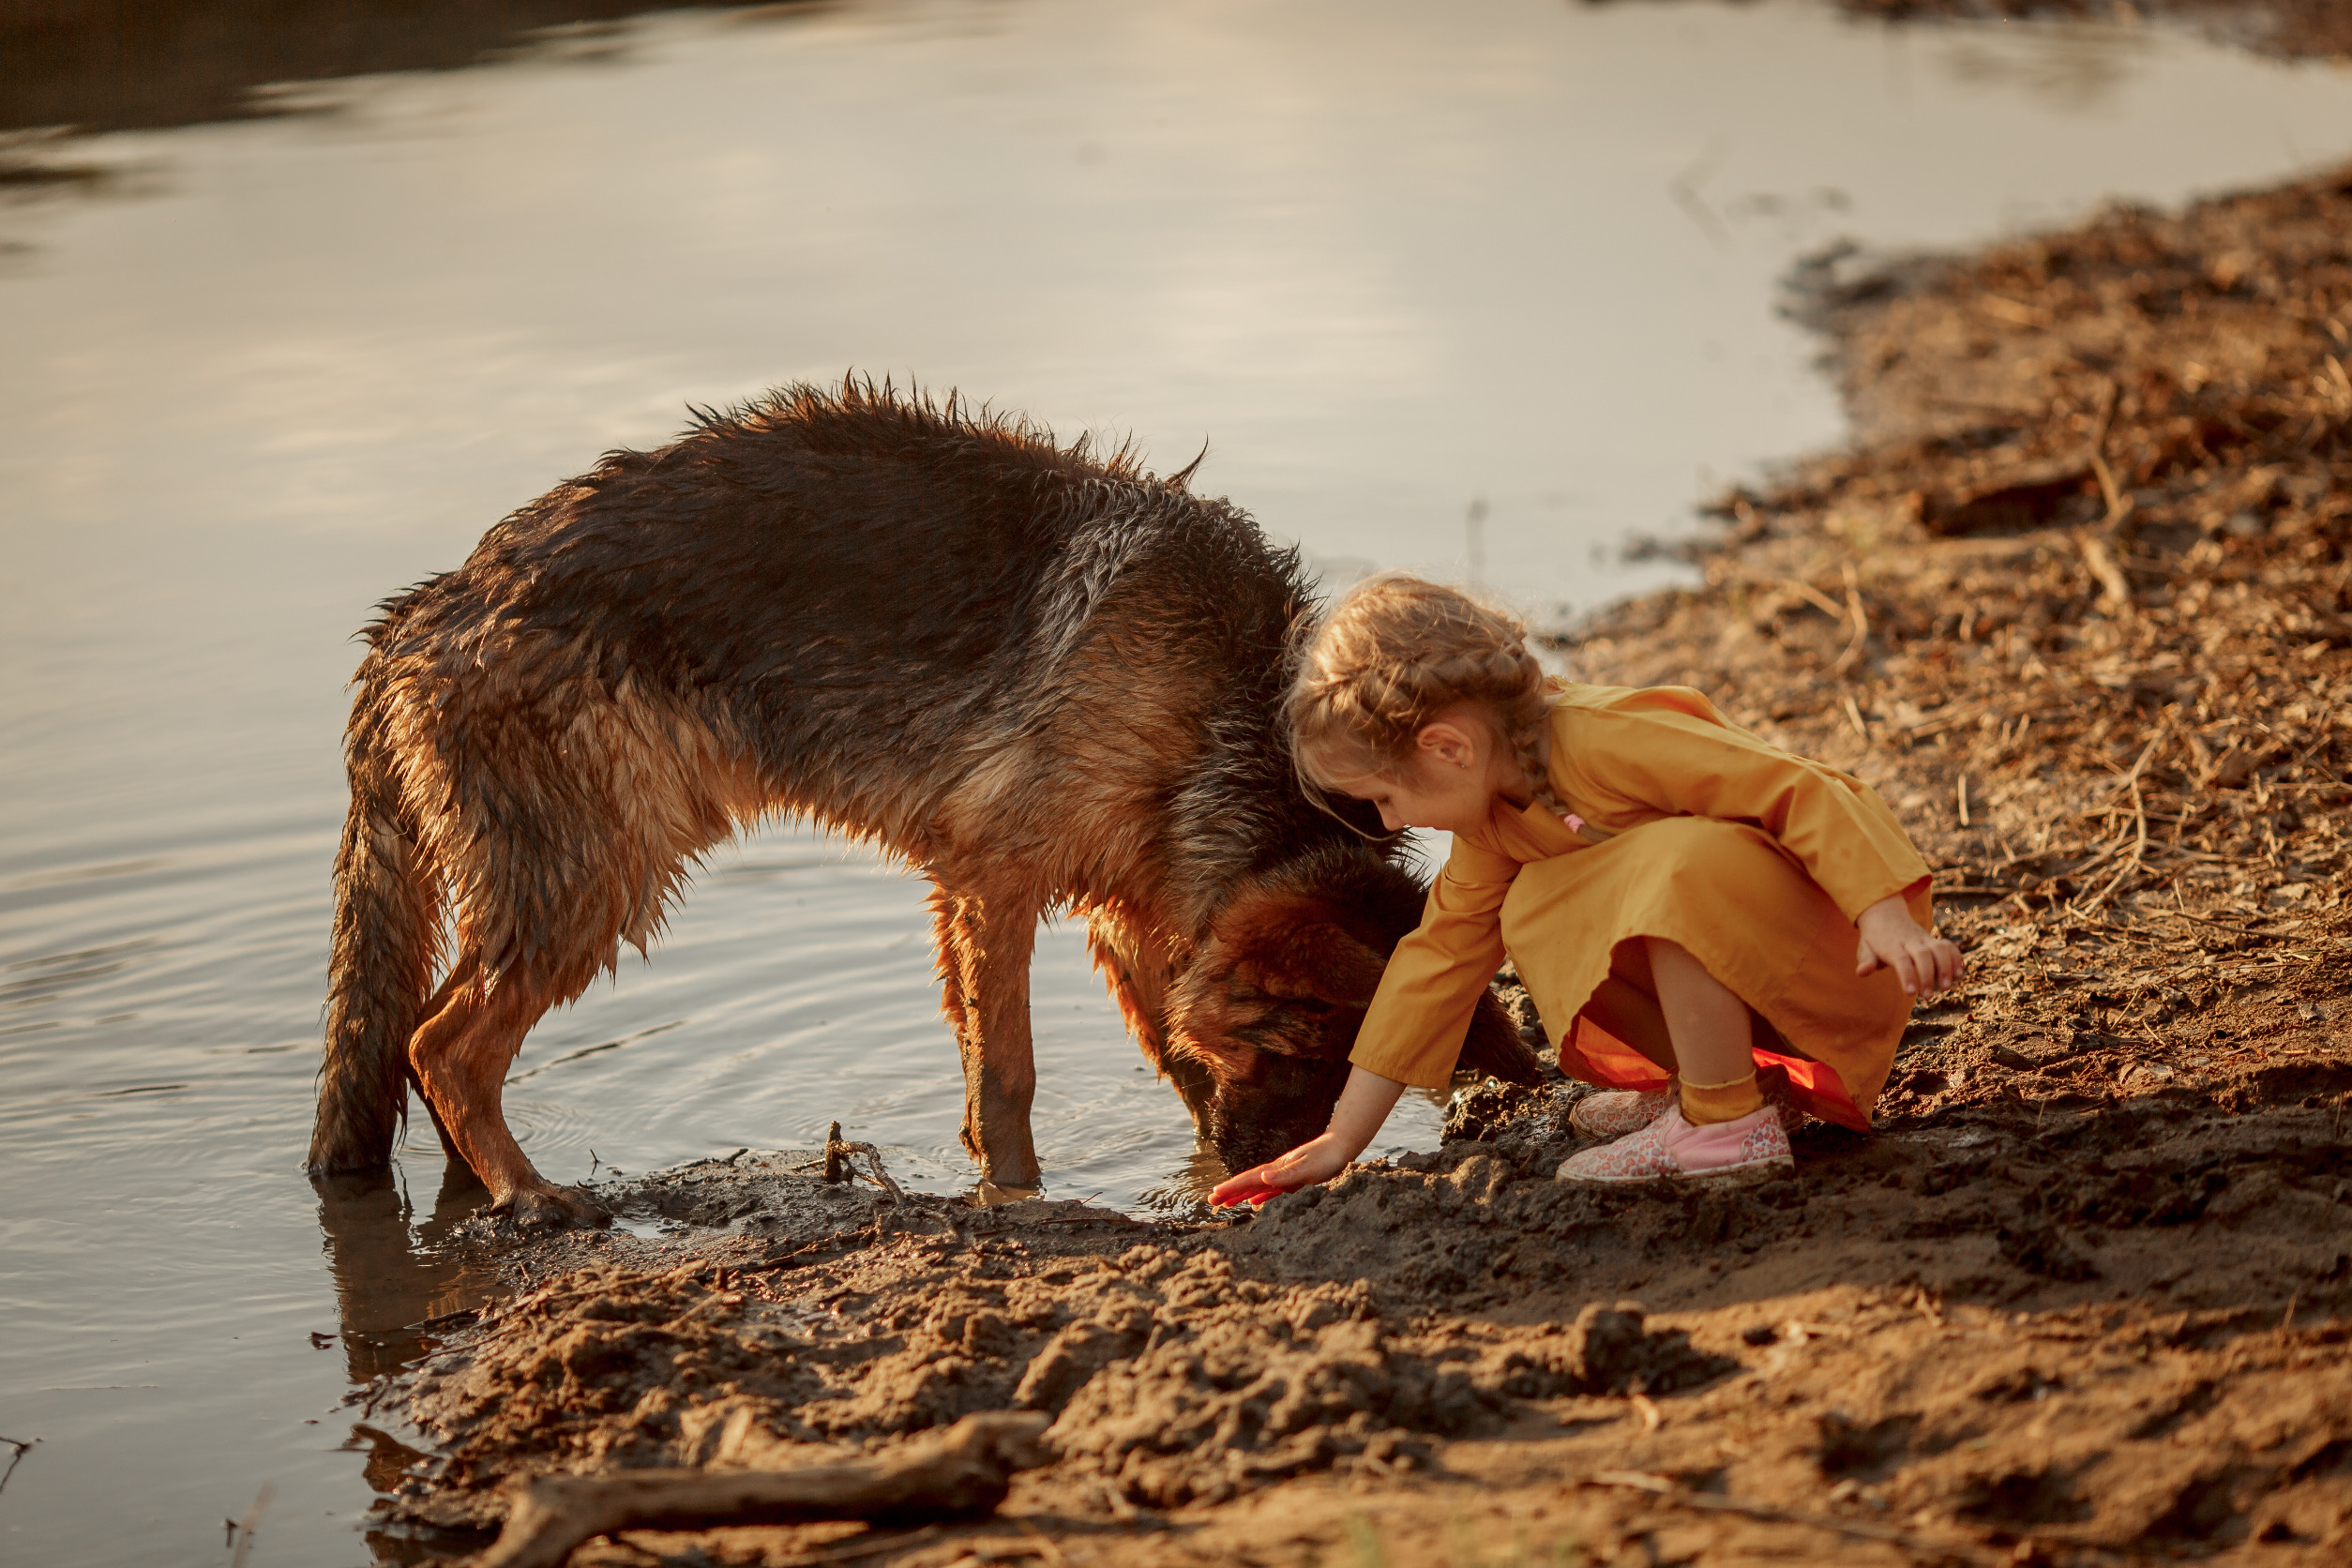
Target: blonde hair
x=1387 y=658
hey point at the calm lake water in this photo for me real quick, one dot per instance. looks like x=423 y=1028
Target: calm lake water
x=1386 y=259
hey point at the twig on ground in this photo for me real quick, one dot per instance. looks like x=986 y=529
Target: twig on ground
x=963 y=1473
x=2139 y=817
x=1862 y=623
x=2115 y=589
x=2139 y=850
x=838 y=1168
x=1854 y=716
x=823 y=1243
x=2207 y=920
x=1813 y=597
x=2119 y=504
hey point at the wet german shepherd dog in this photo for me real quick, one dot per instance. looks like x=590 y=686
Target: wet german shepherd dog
x=1047 y=681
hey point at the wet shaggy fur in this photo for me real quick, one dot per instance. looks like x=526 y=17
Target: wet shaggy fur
x=1045 y=680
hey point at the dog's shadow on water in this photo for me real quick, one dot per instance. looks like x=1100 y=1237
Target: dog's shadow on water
x=396 y=1276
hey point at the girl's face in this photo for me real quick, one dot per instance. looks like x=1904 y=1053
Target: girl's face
x=1448 y=782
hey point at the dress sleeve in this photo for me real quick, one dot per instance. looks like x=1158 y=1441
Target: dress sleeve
x=1421 y=1012
x=1690 y=764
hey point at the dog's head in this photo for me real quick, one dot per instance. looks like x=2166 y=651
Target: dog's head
x=1260 y=1023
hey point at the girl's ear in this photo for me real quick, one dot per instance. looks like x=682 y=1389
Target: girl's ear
x=1444 y=742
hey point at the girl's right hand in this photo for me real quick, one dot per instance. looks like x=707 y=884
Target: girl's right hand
x=1890 y=939
x=1317 y=1160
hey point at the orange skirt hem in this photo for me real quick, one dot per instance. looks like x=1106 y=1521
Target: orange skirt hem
x=1813 y=1085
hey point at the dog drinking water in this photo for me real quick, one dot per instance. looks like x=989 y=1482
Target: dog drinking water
x=1047 y=680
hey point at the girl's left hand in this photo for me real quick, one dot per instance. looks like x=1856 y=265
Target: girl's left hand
x=1890 y=939
x=1364 y=1102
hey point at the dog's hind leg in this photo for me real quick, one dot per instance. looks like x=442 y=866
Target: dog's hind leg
x=461 y=1056
x=459 y=979
x=985 y=942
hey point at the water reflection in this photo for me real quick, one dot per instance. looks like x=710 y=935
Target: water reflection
x=2068 y=67
x=398 y=1283
x=389 y=1463
x=396 y=1278
x=389 y=1460
x=105 y=66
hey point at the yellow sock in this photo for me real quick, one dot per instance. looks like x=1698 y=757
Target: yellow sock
x=1704 y=1103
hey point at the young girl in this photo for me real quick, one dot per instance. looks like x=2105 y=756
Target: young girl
x=1727 y=935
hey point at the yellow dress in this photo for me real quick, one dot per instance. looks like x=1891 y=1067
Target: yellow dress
x=1679 y=824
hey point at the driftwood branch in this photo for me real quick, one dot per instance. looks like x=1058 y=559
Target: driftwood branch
x=966 y=1470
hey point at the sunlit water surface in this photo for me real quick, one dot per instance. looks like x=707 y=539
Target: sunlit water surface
x=1388 y=259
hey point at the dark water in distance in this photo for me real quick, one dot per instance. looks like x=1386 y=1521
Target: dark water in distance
x=1387 y=259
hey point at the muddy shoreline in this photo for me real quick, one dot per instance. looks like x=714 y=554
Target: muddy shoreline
x=2291 y=29
x=2076 y=600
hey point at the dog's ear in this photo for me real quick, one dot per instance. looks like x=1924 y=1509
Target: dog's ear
x=1321 y=963
x=1292 y=948
x=1494 y=1046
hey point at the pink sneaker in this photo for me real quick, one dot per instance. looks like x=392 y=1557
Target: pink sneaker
x=1753 y=1148
x=1620 y=1112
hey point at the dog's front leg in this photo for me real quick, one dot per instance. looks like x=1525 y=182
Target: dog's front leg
x=985 y=941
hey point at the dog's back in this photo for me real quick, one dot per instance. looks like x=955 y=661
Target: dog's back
x=910 y=624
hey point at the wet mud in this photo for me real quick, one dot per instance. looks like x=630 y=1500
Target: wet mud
x=2099 y=1336
x=2075 y=602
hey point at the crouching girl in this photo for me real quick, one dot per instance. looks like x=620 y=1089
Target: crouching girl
x=1727 y=937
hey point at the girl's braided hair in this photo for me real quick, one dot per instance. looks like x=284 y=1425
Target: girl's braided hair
x=1387 y=658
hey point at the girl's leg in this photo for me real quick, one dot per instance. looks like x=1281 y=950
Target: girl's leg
x=1720 y=1131
x=1708 y=1024
x=1711 y=1032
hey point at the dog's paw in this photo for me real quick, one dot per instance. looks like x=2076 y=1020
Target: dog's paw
x=547 y=1207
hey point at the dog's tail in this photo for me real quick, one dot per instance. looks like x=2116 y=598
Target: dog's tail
x=386 y=939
